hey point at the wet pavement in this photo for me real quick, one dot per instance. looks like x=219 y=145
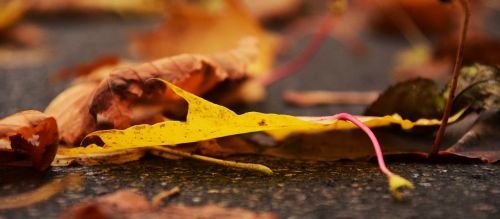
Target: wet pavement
x=299 y=189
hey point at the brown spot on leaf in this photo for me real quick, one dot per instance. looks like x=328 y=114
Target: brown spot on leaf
x=262 y=123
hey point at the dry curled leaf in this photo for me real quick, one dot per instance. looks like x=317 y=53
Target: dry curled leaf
x=195 y=73
x=28 y=138
x=71 y=109
x=109 y=98
x=412 y=99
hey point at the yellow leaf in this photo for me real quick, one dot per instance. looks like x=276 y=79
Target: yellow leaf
x=206 y=120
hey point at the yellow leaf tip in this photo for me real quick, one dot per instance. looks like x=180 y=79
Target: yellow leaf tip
x=398 y=183
x=265 y=170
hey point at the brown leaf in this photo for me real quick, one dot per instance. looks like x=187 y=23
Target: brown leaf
x=413 y=99
x=115 y=205
x=481 y=141
x=211 y=211
x=129 y=203
x=93 y=103
x=195 y=73
x=28 y=138
x=71 y=109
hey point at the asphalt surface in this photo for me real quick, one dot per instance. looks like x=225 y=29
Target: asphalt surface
x=299 y=189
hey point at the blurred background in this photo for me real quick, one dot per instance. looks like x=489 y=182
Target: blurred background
x=46 y=44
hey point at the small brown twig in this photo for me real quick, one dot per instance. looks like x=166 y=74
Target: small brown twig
x=157 y=199
x=453 y=85
x=318 y=97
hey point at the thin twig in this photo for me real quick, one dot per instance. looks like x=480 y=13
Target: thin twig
x=311 y=48
x=453 y=85
x=40 y=194
x=156 y=201
x=227 y=163
x=318 y=97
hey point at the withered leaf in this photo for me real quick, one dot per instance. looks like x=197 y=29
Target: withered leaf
x=478 y=89
x=129 y=203
x=110 y=102
x=71 y=109
x=116 y=205
x=195 y=73
x=481 y=141
x=412 y=99
x=28 y=138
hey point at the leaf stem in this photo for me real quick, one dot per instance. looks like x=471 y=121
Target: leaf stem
x=376 y=145
x=456 y=72
x=395 y=182
x=227 y=163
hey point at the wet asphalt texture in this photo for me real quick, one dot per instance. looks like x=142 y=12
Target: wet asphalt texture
x=299 y=189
